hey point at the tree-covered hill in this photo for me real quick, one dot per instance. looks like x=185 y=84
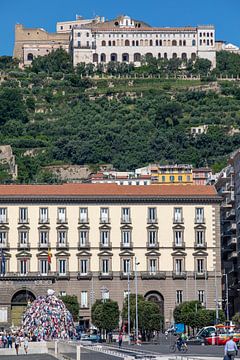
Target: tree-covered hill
x=124 y=116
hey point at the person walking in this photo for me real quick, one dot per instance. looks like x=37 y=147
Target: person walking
x=120 y=338
x=9 y=340
x=17 y=344
x=26 y=345
x=230 y=349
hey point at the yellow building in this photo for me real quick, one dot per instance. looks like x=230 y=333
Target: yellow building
x=175 y=174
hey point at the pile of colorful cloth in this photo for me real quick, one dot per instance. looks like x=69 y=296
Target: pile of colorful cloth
x=47 y=318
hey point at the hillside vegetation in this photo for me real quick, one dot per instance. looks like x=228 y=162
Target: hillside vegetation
x=53 y=114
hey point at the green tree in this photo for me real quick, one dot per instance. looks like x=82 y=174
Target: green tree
x=71 y=302
x=56 y=61
x=236 y=319
x=105 y=315
x=12 y=106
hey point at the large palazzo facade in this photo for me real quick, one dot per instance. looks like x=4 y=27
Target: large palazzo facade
x=95 y=233
x=122 y=40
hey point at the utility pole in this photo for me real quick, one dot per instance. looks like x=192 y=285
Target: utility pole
x=216 y=295
x=227 y=297
x=136 y=290
x=129 y=324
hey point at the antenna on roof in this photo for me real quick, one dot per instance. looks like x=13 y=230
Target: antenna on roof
x=79 y=17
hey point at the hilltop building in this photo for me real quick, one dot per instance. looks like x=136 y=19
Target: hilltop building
x=95 y=231
x=122 y=39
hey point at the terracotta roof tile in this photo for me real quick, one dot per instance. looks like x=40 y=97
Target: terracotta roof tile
x=107 y=190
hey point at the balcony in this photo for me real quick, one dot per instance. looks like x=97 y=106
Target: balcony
x=232 y=227
x=232 y=242
x=64 y=245
x=152 y=246
x=152 y=221
x=104 y=221
x=23 y=221
x=200 y=220
x=87 y=47
x=62 y=221
x=201 y=275
x=232 y=255
x=63 y=276
x=83 y=220
x=105 y=246
x=87 y=276
x=124 y=276
x=179 y=246
x=179 y=275
x=125 y=246
x=84 y=246
x=178 y=220
x=230 y=198
x=23 y=246
x=126 y=220
x=158 y=275
x=105 y=276
x=230 y=214
x=230 y=186
x=200 y=246
x=4 y=220
x=44 y=245
x=43 y=221
x=30 y=276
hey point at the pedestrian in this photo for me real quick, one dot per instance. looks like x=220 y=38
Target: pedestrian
x=26 y=345
x=9 y=341
x=17 y=343
x=230 y=349
x=120 y=338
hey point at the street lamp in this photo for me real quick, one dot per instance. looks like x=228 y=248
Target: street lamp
x=227 y=295
x=129 y=325
x=136 y=290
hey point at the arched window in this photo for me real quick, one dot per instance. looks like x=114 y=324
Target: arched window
x=137 y=43
x=114 y=43
x=137 y=57
x=194 y=43
x=156 y=42
x=184 y=56
x=180 y=42
x=150 y=43
x=169 y=43
x=149 y=56
x=95 y=58
x=159 y=56
x=200 y=42
x=125 y=57
x=127 y=43
x=184 y=42
x=133 y=43
x=109 y=43
x=146 y=42
x=193 y=56
x=103 y=43
x=160 y=42
x=141 y=42
x=174 y=55
x=165 y=56
x=164 y=42
x=30 y=57
x=113 y=57
x=174 y=43
x=211 y=42
x=103 y=58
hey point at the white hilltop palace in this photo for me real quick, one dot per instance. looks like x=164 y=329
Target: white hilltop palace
x=122 y=39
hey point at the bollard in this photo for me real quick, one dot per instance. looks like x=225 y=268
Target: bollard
x=78 y=352
x=56 y=347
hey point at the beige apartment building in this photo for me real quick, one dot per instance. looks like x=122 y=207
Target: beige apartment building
x=94 y=233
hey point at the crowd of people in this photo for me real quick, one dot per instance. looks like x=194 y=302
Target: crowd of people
x=47 y=318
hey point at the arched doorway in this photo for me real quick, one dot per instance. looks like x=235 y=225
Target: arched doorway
x=18 y=305
x=157 y=298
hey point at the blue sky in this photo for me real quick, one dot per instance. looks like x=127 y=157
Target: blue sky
x=224 y=14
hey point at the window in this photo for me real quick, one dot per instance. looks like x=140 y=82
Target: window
x=84 y=266
x=61 y=215
x=43 y=212
x=126 y=238
x=104 y=238
x=178 y=266
x=104 y=215
x=152 y=238
x=188 y=178
x=200 y=266
x=199 y=215
x=23 y=267
x=43 y=267
x=163 y=178
x=83 y=215
x=79 y=44
x=83 y=237
x=152 y=215
x=194 y=43
x=62 y=267
x=30 y=57
x=62 y=293
x=105 y=294
x=126 y=215
x=105 y=266
x=43 y=238
x=201 y=296
x=178 y=238
x=62 y=238
x=126 y=266
x=84 y=299
x=87 y=34
x=180 y=178
x=79 y=34
x=23 y=238
x=172 y=178
x=178 y=215
x=23 y=215
x=3 y=238
x=179 y=296
x=103 y=43
x=200 y=238
x=152 y=266
x=3 y=215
